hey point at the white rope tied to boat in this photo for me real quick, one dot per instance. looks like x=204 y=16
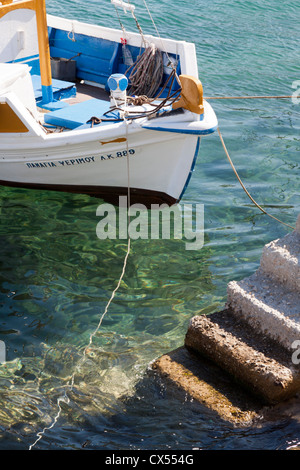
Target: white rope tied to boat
x=70 y=385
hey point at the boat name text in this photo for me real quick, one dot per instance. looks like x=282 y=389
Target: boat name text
x=79 y=160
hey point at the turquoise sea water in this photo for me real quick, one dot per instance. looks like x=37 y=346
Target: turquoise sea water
x=57 y=276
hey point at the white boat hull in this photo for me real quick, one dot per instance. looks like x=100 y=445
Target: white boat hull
x=152 y=163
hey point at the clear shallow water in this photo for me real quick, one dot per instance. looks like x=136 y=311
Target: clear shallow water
x=57 y=276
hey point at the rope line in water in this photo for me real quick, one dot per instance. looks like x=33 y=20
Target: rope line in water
x=40 y=434
x=65 y=398
x=153 y=56
x=245 y=97
x=243 y=186
x=70 y=384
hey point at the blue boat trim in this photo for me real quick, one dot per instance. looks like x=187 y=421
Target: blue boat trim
x=24 y=59
x=191 y=169
x=32 y=61
x=182 y=131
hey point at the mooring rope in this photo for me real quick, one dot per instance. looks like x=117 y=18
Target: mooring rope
x=246 y=97
x=243 y=186
x=138 y=25
x=64 y=398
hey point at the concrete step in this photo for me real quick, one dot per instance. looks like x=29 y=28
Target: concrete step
x=267 y=306
x=250 y=343
x=198 y=380
x=252 y=359
x=281 y=260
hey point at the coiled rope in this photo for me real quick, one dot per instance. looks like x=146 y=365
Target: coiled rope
x=243 y=186
x=146 y=73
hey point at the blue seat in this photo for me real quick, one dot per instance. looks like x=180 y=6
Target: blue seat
x=79 y=114
x=61 y=89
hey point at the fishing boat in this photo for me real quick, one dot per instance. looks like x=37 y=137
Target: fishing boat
x=95 y=110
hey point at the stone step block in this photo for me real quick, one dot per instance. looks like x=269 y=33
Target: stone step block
x=267 y=306
x=281 y=260
x=200 y=381
x=252 y=359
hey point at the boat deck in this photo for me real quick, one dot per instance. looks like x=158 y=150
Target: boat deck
x=78 y=110
x=85 y=92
